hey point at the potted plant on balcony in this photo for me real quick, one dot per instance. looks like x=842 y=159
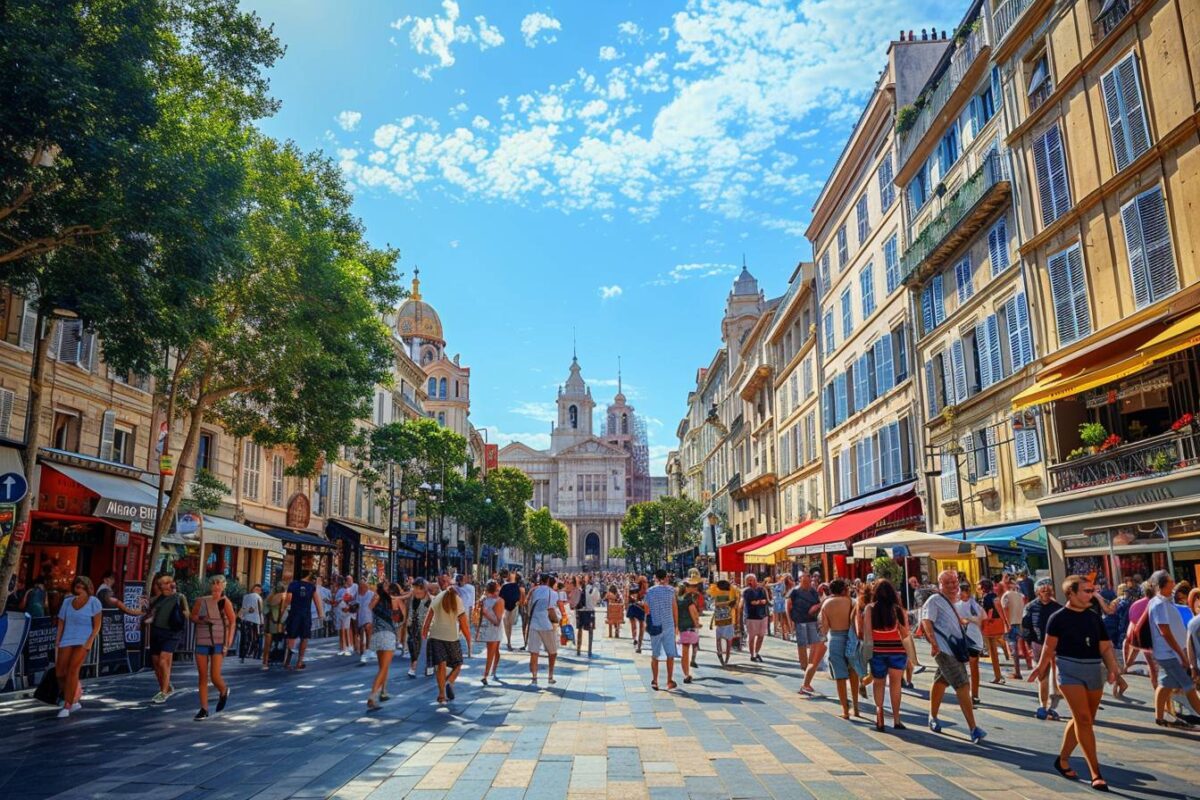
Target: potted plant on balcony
x=1112 y=441
x=1092 y=434
x=1161 y=462
x=1184 y=424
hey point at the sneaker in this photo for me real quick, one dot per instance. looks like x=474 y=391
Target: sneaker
x=159 y=698
x=64 y=712
x=201 y=714
x=1042 y=713
x=76 y=707
x=412 y=673
x=935 y=725
x=364 y=659
x=222 y=700
x=978 y=734
x=384 y=696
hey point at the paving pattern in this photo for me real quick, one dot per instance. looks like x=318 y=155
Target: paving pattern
x=601 y=732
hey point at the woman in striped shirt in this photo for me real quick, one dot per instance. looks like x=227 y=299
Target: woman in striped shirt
x=889 y=627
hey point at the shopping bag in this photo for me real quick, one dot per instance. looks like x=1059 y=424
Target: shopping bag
x=47 y=691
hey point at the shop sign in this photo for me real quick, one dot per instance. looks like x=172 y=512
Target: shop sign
x=123 y=509
x=298 y=511
x=112 y=639
x=133 y=625
x=121 y=538
x=836 y=547
x=1156 y=494
x=39 y=647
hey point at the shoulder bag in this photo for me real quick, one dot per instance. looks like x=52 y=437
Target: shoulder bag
x=868 y=637
x=992 y=624
x=958 y=644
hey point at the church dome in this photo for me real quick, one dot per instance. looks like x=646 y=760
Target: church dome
x=417 y=318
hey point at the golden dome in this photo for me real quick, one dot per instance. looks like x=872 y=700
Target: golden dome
x=417 y=318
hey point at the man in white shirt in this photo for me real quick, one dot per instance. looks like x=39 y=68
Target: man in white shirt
x=1169 y=636
x=943 y=627
x=543 y=601
x=346 y=620
x=466 y=591
x=1013 y=604
x=585 y=615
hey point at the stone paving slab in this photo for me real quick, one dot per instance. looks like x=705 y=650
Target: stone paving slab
x=599 y=733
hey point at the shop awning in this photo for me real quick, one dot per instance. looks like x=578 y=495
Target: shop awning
x=226 y=532
x=917 y=544
x=1103 y=367
x=120 y=497
x=1022 y=535
x=775 y=548
x=296 y=537
x=832 y=536
x=729 y=557
x=10 y=461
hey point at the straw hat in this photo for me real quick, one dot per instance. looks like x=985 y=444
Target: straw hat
x=694 y=577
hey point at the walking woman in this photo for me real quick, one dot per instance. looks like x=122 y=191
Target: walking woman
x=888 y=623
x=1077 y=642
x=383 y=642
x=779 y=593
x=167 y=615
x=443 y=624
x=250 y=619
x=689 y=622
x=969 y=614
x=491 y=622
x=418 y=610
x=636 y=611
x=863 y=598
x=835 y=619
x=214 y=619
x=615 y=610
x=994 y=627
x=273 y=624
x=78 y=627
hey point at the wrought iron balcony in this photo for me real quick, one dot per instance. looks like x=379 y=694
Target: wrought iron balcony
x=1147 y=458
x=1005 y=17
x=931 y=104
x=961 y=217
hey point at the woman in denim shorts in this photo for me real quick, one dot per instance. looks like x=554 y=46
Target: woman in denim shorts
x=215 y=620
x=889 y=625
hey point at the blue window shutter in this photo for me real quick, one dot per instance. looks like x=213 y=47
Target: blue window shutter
x=930 y=391
x=1148 y=244
x=986 y=375
x=927 y=318
x=995 y=355
x=939 y=300
x=998 y=246
x=958 y=364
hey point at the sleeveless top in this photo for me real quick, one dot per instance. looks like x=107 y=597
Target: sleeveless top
x=886 y=641
x=381 y=616
x=210 y=630
x=496 y=606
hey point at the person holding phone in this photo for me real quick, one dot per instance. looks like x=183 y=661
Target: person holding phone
x=215 y=622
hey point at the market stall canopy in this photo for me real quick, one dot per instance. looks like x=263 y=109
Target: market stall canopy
x=226 y=532
x=120 y=497
x=775 y=548
x=832 y=536
x=296 y=537
x=917 y=544
x=1022 y=535
x=729 y=556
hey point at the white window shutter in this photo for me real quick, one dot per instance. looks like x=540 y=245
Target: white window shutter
x=958 y=365
x=968 y=446
x=1068 y=287
x=1131 y=97
x=1051 y=169
x=107 y=433
x=949 y=476
x=6 y=406
x=1081 y=316
x=1137 y=256
x=990 y=437
x=29 y=323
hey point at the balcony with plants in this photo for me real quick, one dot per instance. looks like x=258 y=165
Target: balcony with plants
x=963 y=214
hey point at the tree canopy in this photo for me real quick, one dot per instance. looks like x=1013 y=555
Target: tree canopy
x=547 y=536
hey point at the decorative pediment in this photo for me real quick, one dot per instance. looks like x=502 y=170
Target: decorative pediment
x=516 y=451
x=592 y=447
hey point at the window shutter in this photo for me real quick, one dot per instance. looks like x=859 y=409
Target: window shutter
x=1068 y=287
x=1131 y=97
x=927 y=309
x=949 y=476
x=947 y=379
x=1051 y=169
x=930 y=390
x=994 y=353
x=1137 y=256
x=891 y=264
x=958 y=364
x=987 y=375
x=968 y=445
x=1026 y=336
x=1028 y=449
x=1110 y=84
x=1081 y=317
x=29 y=323
x=1148 y=242
x=998 y=246
x=884 y=373
x=107 y=433
x=827 y=406
x=53 y=345
x=964 y=279
x=990 y=437
x=87 y=351
x=939 y=300
x=6 y=406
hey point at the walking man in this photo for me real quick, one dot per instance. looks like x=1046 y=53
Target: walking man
x=513 y=596
x=758 y=611
x=662 y=624
x=803 y=605
x=300 y=595
x=943 y=628
x=543 y=613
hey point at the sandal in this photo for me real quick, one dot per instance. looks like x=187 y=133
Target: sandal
x=900 y=726
x=1066 y=771
x=999 y=681
x=1052 y=714
x=672 y=685
x=687 y=679
x=654 y=686
x=1099 y=784
x=1175 y=723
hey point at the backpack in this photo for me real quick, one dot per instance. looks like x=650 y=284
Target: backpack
x=175 y=620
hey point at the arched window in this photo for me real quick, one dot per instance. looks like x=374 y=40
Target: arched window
x=442 y=418
x=624 y=423
x=442 y=389
x=573 y=416
x=433 y=387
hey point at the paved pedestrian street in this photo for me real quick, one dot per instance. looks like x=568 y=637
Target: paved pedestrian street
x=600 y=732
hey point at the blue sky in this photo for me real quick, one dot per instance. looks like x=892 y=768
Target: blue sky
x=597 y=167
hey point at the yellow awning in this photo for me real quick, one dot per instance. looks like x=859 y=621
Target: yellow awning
x=775 y=550
x=1179 y=335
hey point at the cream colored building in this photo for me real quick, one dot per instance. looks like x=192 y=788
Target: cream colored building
x=753 y=490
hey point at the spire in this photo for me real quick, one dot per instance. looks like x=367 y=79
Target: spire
x=574 y=348
x=416 y=284
x=619 y=375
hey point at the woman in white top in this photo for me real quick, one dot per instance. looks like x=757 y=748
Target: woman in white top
x=365 y=620
x=970 y=613
x=78 y=627
x=491 y=618
x=251 y=616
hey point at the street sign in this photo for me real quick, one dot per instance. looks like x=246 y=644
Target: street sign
x=122 y=539
x=13 y=487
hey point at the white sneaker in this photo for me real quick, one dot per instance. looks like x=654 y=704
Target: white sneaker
x=364 y=659
x=64 y=712
x=76 y=707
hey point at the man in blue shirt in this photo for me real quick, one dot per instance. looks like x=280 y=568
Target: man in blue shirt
x=300 y=596
x=664 y=618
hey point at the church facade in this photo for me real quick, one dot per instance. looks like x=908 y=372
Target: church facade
x=581 y=477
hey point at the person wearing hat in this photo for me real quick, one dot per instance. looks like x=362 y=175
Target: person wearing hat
x=689 y=623
x=695 y=579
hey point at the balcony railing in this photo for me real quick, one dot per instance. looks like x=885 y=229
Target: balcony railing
x=1006 y=15
x=965 y=53
x=592 y=506
x=413 y=404
x=993 y=171
x=1143 y=459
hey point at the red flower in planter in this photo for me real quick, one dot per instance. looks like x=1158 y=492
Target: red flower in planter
x=1183 y=422
x=1112 y=441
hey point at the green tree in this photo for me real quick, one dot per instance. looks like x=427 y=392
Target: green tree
x=512 y=490
x=547 y=536
x=683 y=524
x=207 y=492
x=296 y=343
x=642 y=532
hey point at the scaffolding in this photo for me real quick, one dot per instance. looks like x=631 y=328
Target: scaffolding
x=639 y=462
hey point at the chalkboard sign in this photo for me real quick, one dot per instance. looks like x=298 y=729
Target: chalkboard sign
x=39 y=647
x=112 y=641
x=133 y=625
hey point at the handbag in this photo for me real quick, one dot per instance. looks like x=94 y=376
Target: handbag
x=651 y=628
x=1143 y=637
x=47 y=691
x=959 y=647
x=568 y=633
x=868 y=639
x=993 y=624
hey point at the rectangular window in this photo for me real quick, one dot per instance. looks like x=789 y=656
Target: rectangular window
x=985 y=452
x=204 y=452
x=65 y=433
x=985 y=108
x=891 y=264
x=987 y=341
x=123 y=445
x=948 y=150
x=825 y=272
x=1025 y=443
x=1068 y=287
x=964 y=279
x=958 y=370
x=1050 y=165
x=842 y=248
x=251 y=469
x=866 y=281
x=918 y=188
x=998 y=246
x=1041 y=84
x=864 y=224
x=830 y=333
x=1016 y=320
x=847 y=314
x=900 y=352
x=277 y=481
x=1127 y=127
x=1148 y=242
x=887 y=186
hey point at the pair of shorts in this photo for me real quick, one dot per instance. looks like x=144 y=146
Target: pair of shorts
x=1085 y=672
x=210 y=649
x=448 y=653
x=414 y=642
x=543 y=640
x=689 y=637
x=163 y=641
x=950 y=671
x=343 y=621
x=807 y=634
x=882 y=662
x=725 y=631
x=636 y=612
x=662 y=646
x=1014 y=633
x=382 y=641
x=756 y=627
x=299 y=626
x=839 y=665
x=1173 y=675
x=780 y=605
x=585 y=620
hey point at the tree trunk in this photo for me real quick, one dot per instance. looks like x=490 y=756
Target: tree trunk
x=33 y=435
x=195 y=418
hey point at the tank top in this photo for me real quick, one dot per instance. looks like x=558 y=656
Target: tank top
x=381 y=616
x=723 y=607
x=685 y=616
x=210 y=630
x=886 y=641
x=495 y=606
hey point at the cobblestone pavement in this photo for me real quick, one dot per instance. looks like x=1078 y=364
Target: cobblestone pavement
x=601 y=732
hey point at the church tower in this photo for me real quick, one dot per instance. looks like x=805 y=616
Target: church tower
x=575 y=407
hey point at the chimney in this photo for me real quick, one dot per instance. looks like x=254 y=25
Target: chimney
x=943 y=34
x=924 y=34
x=902 y=35
x=910 y=35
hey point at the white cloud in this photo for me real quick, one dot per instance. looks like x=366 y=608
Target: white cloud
x=609 y=53
x=629 y=31
x=480 y=123
x=684 y=272
x=609 y=292
x=534 y=29
x=436 y=36
x=658 y=458
x=538 y=441
x=348 y=120
x=454 y=244
x=537 y=411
